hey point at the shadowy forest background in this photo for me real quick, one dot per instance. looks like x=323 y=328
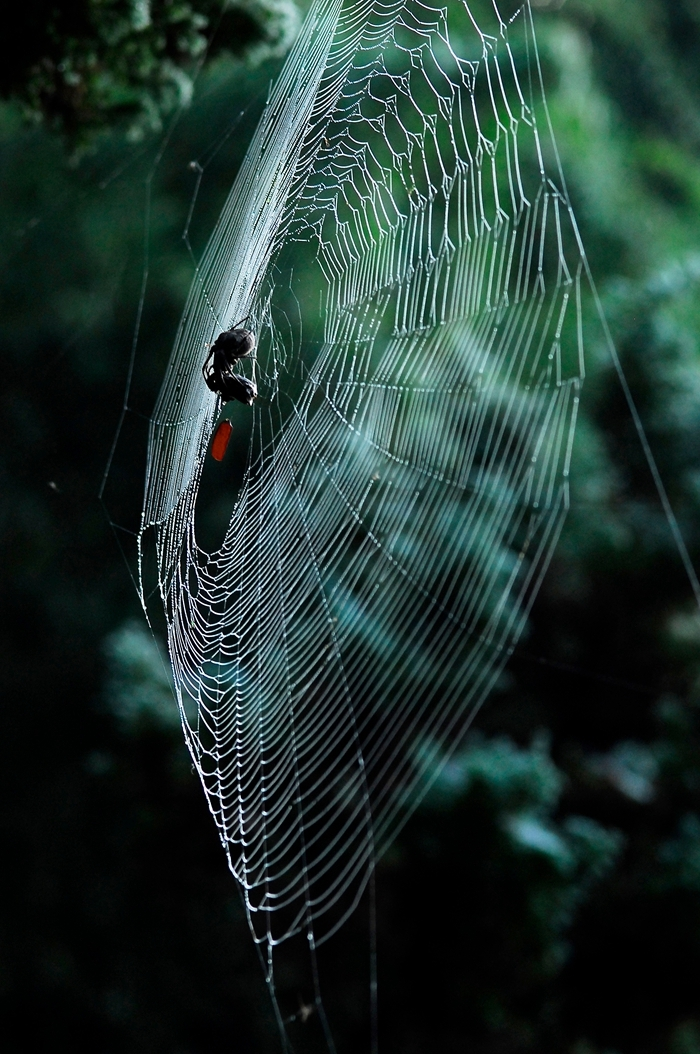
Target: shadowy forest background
x=546 y=898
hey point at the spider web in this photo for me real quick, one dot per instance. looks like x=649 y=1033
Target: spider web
x=401 y=240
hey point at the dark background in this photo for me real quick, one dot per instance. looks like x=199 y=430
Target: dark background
x=547 y=896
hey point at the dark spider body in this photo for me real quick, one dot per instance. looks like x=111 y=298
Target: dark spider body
x=234 y=344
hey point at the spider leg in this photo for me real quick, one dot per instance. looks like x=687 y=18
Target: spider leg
x=206 y=361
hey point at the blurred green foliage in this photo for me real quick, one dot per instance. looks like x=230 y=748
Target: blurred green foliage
x=139 y=685
x=80 y=66
x=546 y=896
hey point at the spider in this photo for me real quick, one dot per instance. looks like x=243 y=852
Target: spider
x=235 y=343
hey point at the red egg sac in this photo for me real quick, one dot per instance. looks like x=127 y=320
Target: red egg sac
x=220 y=440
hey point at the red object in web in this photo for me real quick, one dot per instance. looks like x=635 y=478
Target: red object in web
x=220 y=440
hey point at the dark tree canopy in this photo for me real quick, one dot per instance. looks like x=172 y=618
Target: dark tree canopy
x=85 y=64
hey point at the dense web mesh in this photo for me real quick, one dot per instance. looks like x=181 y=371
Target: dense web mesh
x=402 y=243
